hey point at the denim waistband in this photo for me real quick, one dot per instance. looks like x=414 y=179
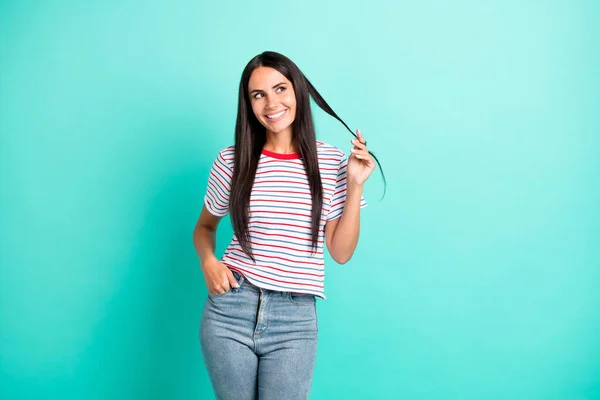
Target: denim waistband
x=241 y=280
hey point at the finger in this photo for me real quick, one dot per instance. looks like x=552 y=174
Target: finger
x=358 y=145
x=223 y=288
x=232 y=280
x=360 y=136
x=359 y=152
x=363 y=155
x=219 y=290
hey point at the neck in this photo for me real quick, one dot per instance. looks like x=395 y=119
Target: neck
x=281 y=142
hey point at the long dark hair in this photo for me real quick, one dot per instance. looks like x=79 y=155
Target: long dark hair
x=250 y=138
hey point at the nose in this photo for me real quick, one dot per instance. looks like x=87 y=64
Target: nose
x=272 y=103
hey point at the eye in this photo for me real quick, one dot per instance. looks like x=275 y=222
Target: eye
x=280 y=87
x=256 y=96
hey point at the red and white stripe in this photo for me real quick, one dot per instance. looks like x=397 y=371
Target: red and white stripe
x=280 y=217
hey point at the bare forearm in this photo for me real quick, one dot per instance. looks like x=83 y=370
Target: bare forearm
x=346 y=234
x=204 y=243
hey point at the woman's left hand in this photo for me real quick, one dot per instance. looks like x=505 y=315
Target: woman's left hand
x=360 y=162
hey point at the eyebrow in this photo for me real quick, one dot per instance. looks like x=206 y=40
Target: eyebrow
x=258 y=90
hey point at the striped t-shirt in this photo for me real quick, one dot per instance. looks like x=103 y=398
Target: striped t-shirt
x=280 y=217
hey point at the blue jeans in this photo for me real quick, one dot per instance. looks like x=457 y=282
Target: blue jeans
x=259 y=343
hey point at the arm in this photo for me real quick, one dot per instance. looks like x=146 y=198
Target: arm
x=217 y=276
x=204 y=236
x=341 y=234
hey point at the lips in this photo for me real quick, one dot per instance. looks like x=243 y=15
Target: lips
x=275 y=117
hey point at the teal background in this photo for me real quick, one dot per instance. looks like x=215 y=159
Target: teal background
x=476 y=277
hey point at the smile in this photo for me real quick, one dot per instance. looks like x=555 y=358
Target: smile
x=276 y=117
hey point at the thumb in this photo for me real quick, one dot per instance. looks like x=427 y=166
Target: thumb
x=232 y=281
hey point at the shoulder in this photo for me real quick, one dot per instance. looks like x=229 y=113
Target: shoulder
x=326 y=150
x=226 y=156
x=228 y=151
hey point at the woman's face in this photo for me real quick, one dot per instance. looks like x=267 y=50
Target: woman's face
x=272 y=98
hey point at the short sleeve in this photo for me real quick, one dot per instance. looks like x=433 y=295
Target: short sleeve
x=216 y=199
x=338 y=200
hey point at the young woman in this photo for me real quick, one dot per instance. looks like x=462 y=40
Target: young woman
x=287 y=194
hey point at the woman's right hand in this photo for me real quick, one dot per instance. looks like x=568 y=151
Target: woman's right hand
x=218 y=277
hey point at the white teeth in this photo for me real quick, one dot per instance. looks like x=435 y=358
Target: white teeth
x=275 y=116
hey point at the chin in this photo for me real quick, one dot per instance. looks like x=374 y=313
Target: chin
x=280 y=128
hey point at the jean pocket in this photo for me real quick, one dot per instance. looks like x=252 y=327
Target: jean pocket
x=302 y=299
x=239 y=278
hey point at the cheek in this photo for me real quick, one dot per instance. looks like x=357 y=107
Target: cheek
x=256 y=109
x=291 y=102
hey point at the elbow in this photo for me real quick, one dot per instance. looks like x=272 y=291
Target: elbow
x=194 y=236
x=341 y=260
x=196 y=232
x=201 y=228
x=341 y=255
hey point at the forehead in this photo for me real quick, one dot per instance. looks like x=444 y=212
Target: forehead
x=263 y=78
